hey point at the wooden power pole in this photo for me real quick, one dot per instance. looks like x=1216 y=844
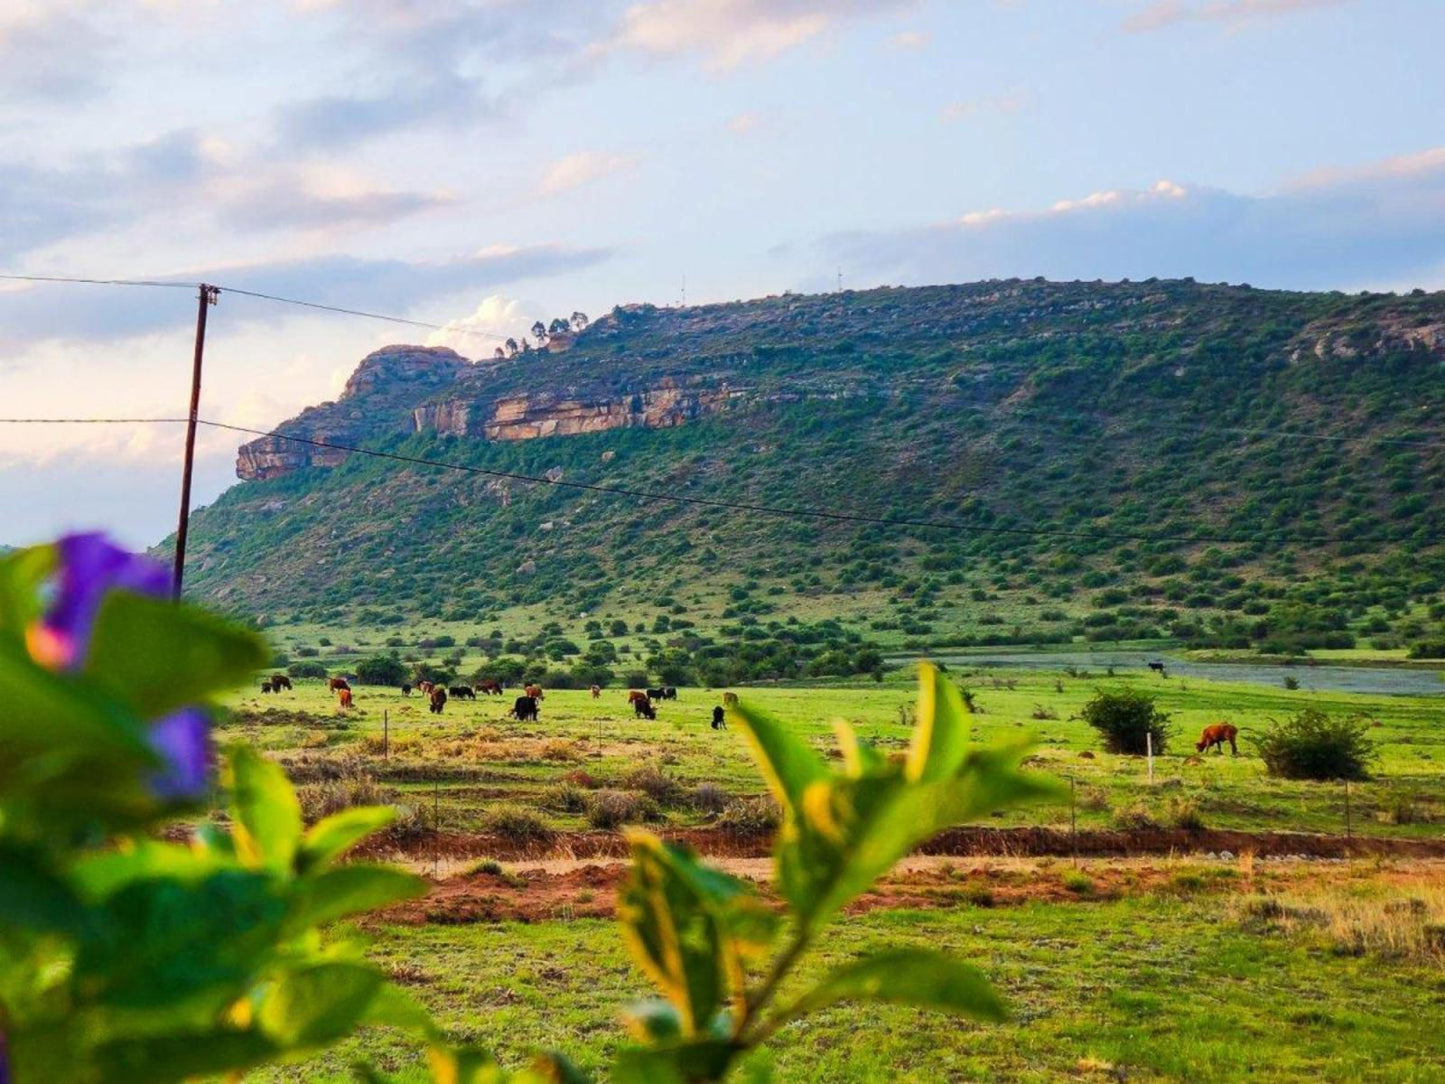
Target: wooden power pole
x=207 y=298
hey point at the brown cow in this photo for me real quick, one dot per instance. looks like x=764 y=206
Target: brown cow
x=636 y=695
x=279 y=682
x=596 y=691
x=534 y=691
x=438 y=697
x=425 y=687
x=337 y=685
x=1217 y=735
x=730 y=698
x=344 y=697
x=489 y=687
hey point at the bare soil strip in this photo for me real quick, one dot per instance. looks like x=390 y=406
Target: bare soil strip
x=1019 y=842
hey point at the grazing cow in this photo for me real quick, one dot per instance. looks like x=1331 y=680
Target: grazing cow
x=719 y=719
x=425 y=687
x=265 y=686
x=1158 y=668
x=596 y=691
x=635 y=695
x=669 y=693
x=643 y=709
x=1216 y=736
x=337 y=685
x=343 y=696
x=490 y=688
x=535 y=692
x=406 y=690
x=525 y=707
x=654 y=694
x=279 y=682
x=730 y=698
x=438 y=698
x=463 y=692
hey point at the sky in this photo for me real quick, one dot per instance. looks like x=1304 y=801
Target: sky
x=483 y=163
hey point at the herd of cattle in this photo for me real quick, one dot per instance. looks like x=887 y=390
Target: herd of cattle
x=525 y=707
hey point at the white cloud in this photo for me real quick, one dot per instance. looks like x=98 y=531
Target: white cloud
x=745 y=122
x=1232 y=14
x=730 y=33
x=910 y=41
x=1010 y=101
x=478 y=334
x=1376 y=225
x=583 y=168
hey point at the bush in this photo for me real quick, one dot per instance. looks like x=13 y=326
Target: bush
x=610 y=808
x=1184 y=813
x=661 y=788
x=709 y=798
x=307 y=670
x=381 y=670
x=750 y=815
x=1125 y=719
x=516 y=823
x=1136 y=818
x=565 y=798
x=1312 y=745
x=332 y=796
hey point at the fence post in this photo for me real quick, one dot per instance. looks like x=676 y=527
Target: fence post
x=385 y=735
x=1149 y=747
x=1348 y=826
x=1073 y=825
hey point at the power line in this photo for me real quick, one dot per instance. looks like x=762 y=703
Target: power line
x=349 y=312
x=89 y=421
x=99 y=282
x=772 y=510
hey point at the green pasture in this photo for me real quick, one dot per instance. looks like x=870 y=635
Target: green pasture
x=471 y=758
x=1149 y=988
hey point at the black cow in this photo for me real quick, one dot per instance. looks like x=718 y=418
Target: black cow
x=279 y=682
x=655 y=694
x=669 y=693
x=525 y=707
x=719 y=719
x=463 y=692
x=406 y=690
x=1158 y=668
x=265 y=686
x=643 y=709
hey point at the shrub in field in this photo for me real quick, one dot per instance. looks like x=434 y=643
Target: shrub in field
x=1184 y=813
x=609 y=809
x=565 y=798
x=708 y=798
x=657 y=785
x=760 y=814
x=322 y=799
x=1126 y=721
x=516 y=823
x=1314 y=745
x=1136 y=818
x=306 y=670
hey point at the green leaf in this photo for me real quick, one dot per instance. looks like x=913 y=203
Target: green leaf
x=706 y=1059
x=158 y=656
x=162 y=1058
x=348 y=890
x=21 y=575
x=265 y=810
x=331 y=837
x=918 y=977
x=318 y=1004
x=787 y=764
x=99 y=874
x=169 y=942
x=654 y=1021
x=940 y=737
x=33 y=896
x=689 y=927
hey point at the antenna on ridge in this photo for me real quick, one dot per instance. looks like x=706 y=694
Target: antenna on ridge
x=840 y=278
x=684 y=290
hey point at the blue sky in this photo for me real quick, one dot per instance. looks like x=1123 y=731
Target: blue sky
x=492 y=161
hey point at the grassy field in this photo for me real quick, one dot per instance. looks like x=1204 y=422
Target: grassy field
x=471 y=759
x=1217 y=972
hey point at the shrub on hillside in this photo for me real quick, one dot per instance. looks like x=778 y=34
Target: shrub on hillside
x=381 y=670
x=306 y=670
x=1313 y=745
x=1125 y=720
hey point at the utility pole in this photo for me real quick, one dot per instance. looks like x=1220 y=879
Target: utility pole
x=206 y=298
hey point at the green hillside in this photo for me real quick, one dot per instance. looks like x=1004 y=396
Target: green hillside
x=1220 y=465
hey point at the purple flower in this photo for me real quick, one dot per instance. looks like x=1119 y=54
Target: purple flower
x=89 y=566
x=183 y=742
x=4 y=1061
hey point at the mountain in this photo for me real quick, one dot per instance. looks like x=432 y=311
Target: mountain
x=1217 y=463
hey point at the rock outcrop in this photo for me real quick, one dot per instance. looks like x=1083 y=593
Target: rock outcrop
x=546 y=414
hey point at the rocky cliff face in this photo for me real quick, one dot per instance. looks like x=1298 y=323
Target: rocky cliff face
x=546 y=414
x=377 y=399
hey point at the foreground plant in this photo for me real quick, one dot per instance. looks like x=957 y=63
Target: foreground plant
x=124 y=957
x=707 y=941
